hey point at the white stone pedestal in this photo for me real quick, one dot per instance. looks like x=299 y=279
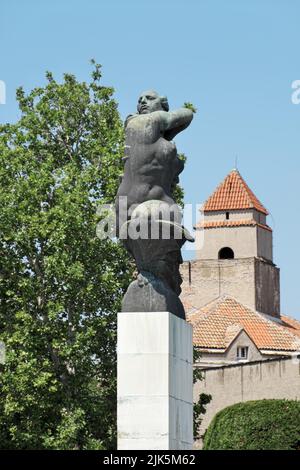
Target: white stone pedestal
x=155 y=381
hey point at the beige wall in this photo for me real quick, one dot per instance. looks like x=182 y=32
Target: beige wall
x=253 y=282
x=275 y=378
x=233 y=215
x=242 y=214
x=242 y=240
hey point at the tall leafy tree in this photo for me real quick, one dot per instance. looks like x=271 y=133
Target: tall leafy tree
x=60 y=285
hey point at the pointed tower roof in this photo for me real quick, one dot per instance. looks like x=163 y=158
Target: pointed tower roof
x=233 y=193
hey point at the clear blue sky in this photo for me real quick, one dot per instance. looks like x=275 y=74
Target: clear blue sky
x=234 y=60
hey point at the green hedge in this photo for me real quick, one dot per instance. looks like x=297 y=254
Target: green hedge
x=262 y=425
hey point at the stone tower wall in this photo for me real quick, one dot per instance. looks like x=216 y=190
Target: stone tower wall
x=253 y=282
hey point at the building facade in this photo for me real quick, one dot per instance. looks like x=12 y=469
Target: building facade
x=231 y=294
x=231 y=291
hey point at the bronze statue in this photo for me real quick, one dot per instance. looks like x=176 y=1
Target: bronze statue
x=144 y=201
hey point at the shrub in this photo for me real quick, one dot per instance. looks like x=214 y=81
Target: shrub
x=260 y=425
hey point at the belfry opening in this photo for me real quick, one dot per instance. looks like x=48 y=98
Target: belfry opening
x=226 y=253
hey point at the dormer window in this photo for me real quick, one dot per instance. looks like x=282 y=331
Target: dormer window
x=227 y=215
x=242 y=353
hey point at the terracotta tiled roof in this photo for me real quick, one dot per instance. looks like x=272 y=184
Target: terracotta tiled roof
x=293 y=324
x=231 y=223
x=233 y=193
x=231 y=332
x=218 y=323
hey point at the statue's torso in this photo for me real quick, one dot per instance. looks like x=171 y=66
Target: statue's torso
x=152 y=161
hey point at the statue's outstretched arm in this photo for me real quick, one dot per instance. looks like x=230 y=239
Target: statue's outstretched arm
x=175 y=121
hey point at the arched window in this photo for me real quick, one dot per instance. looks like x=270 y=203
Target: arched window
x=226 y=253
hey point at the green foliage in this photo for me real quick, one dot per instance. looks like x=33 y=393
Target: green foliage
x=60 y=285
x=190 y=106
x=199 y=408
x=260 y=425
x=177 y=190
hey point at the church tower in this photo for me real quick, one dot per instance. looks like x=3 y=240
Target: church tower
x=234 y=251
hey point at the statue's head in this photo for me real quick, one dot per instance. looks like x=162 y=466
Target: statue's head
x=150 y=101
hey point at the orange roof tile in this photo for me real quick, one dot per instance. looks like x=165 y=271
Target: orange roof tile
x=218 y=323
x=231 y=332
x=231 y=223
x=233 y=193
x=293 y=324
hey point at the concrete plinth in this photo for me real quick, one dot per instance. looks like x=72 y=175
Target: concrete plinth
x=155 y=381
